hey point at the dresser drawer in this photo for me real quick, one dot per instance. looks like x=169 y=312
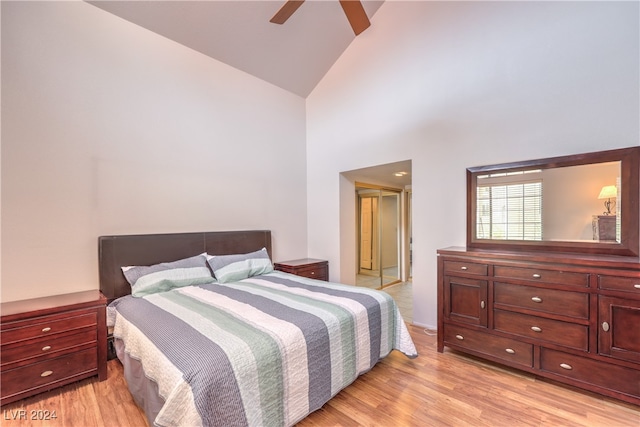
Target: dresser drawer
x=566 y=303
x=554 y=331
x=51 y=346
x=502 y=348
x=618 y=283
x=46 y=325
x=305 y=267
x=47 y=372
x=605 y=375
x=541 y=275
x=454 y=267
x=315 y=272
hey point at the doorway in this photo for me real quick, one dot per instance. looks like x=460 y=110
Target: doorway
x=379 y=236
x=391 y=270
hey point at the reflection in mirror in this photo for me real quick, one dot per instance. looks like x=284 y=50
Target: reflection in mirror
x=562 y=204
x=379 y=238
x=586 y=203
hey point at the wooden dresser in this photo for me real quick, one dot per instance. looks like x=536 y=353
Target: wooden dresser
x=52 y=341
x=568 y=317
x=305 y=267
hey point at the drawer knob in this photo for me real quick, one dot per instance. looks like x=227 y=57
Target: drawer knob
x=566 y=366
x=46 y=348
x=510 y=350
x=460 y=337
x=536 y=329
x=313 y=272
x=605 y=326
x=464 y=268
x=536 y=299
x=637 y=286
x=47 y=329
x=536 y=276
x=46 y=373
x=482 y=304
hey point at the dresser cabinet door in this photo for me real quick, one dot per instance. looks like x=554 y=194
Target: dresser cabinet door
x=619 y=328
x=465 y=300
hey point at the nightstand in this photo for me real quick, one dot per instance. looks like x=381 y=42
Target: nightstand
x=604 y=228
x=50 y=342
x=305 y=267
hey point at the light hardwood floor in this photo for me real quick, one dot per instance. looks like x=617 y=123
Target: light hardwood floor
x=402 y=293
x=435 y=389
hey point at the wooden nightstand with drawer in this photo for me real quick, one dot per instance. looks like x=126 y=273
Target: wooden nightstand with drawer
x=50 y=342
x=305 y=267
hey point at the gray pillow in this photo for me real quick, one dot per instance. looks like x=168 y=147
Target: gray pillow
x=167 y=275
x=230 y=268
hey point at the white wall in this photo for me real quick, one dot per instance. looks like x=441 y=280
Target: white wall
x=452 y=85
x=570 y=199
x=111 y=129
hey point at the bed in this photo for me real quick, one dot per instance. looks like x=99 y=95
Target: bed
x=208 y=334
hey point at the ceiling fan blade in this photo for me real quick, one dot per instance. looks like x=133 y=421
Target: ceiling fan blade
x=286 y=11
x=356 y=15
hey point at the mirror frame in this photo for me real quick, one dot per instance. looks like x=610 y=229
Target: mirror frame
x=629 y=245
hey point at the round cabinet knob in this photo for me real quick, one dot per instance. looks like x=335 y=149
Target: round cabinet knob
x=536 y=329
x=566 y=366
x=460 y=337
x=536 y=276
x=536 y=299
x=605 y=326
x=46 y=348
x=637 y=286
x=463 y=268
x=46 y=373
x=510 y=350
x=47 y=329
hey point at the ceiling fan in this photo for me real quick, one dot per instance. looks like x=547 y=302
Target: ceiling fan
x=352 y=8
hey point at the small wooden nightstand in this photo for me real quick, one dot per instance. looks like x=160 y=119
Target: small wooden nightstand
x=52 y=341
x=305 y=267
x=604 y=228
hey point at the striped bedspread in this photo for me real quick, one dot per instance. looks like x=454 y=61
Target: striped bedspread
x=267 y=350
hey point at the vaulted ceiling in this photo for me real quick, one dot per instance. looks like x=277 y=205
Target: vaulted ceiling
x=294 y=56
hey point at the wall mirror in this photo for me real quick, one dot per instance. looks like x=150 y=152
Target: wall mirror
x=586 y=203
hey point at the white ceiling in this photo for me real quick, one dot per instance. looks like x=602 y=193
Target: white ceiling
x=383 y=174
x=294 y=56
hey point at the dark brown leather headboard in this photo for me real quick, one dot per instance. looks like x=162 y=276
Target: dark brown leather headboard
x=115 y=252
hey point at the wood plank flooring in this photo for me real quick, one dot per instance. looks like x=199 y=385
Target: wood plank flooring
x=436 y=389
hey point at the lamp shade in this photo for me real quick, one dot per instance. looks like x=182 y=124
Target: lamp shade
x=608 y=192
